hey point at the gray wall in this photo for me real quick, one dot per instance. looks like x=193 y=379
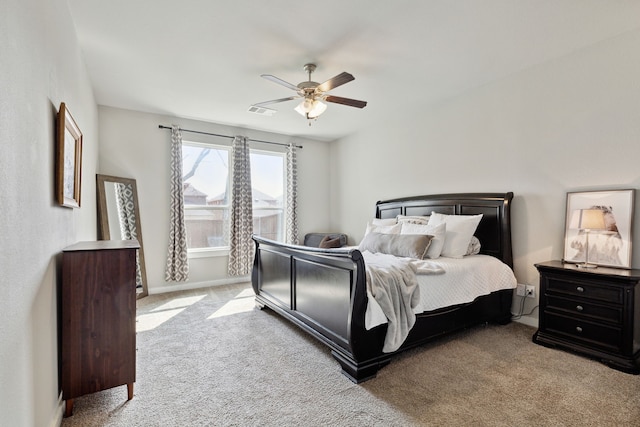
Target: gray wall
x=572 y=124
x=132 y=146
x=40 y=67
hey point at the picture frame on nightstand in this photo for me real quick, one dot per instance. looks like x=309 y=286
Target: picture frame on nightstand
x=611 y=247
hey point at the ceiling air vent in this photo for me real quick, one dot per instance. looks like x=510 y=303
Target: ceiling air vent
x=262 y=111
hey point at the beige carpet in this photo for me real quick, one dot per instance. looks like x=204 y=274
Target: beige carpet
x=207 y=358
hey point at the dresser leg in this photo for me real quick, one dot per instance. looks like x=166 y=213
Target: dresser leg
x=129 y=391
x=68 y=411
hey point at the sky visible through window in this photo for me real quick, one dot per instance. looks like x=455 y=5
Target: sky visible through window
x=267 y=174
x=267 y=171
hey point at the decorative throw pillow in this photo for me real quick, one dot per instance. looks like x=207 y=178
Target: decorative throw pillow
x=460 y=229
x=384 y=221
x=403 y=219
x=474 y=247
x=400 y=245
x=438 y=232
x=330 y=242
x=384 y=229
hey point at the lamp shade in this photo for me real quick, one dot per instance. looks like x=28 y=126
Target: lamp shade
x=587 y=219
x=311 y=108
x=318 y=108
x=305 y=106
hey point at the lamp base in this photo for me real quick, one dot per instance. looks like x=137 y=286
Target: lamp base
x=587 y=265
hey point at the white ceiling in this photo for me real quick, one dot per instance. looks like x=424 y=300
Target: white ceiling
x=202 y=59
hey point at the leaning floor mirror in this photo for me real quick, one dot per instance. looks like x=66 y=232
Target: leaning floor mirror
x=119 y=218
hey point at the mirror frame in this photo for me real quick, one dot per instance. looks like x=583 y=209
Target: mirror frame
x=103 y=219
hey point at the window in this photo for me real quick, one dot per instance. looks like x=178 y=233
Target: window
x=267 y=186
x=206 y=175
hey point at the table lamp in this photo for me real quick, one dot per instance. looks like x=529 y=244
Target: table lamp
x=587 y=220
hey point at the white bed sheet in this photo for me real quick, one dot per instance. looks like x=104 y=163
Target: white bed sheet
x=463 y=281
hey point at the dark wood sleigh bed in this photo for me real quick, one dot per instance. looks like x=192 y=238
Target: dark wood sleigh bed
x=323 y=291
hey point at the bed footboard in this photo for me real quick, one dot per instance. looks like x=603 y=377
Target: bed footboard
x=324 y=292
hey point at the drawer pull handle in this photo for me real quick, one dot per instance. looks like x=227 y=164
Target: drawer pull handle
x=578 y=329
x=580 y=289
x=579 y=308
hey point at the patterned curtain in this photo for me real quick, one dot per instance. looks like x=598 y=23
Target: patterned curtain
x=127 y=219
x=292 y=196
x=177 y=262
x=241 y=247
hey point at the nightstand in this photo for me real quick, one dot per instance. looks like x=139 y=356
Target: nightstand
x=594 y=312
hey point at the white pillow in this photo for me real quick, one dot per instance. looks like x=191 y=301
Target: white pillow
x=384 y=221
x=413 y=219
x=437 y=231
x=460 y=229
x=383 y=229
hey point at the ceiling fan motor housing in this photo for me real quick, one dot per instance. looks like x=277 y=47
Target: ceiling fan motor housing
x=308 y=85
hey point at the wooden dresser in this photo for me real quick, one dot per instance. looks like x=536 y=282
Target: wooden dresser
x=98 y=318
x=594 y=312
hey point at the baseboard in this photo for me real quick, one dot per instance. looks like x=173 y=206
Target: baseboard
x=197 y=285
x=59 y=413
x=527 y=320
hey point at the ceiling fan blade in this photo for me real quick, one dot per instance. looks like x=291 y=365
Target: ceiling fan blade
x=280 y=81
x=346 y=101
x=334 y=82
x=274 y=101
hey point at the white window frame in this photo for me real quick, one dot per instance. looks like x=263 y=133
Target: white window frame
x=219 y=250
x=283 y=209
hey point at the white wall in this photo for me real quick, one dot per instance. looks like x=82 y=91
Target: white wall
x=40 y=67
x=572 y=124
x=132 y=146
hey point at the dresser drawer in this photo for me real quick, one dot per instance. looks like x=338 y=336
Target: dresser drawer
x=612 y=294
x=596 y=335
x=582 y=309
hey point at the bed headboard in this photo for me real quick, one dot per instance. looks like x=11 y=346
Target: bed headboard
x=494 y=230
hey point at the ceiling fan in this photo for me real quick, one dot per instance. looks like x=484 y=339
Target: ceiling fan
x=314 y=94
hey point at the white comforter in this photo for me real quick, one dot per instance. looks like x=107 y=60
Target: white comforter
x=463 y=281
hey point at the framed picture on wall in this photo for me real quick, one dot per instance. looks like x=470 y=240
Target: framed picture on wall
x=607 y=244
x=68 y=159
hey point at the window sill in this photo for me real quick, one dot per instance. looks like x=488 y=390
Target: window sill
x=207 y=253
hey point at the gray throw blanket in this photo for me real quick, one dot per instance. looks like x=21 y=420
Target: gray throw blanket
x=392 y=282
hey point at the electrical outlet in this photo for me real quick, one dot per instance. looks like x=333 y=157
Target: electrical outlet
x=521 y=290
x=530 y=291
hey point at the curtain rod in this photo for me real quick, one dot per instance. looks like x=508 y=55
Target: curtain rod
x=228 y=136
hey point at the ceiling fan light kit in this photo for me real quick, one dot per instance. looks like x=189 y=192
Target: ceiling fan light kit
x=314 y=94
x=311 y=108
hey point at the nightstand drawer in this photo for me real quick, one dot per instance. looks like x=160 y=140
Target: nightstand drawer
x=580 y=308
x=607 y=337
x=585 y=289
